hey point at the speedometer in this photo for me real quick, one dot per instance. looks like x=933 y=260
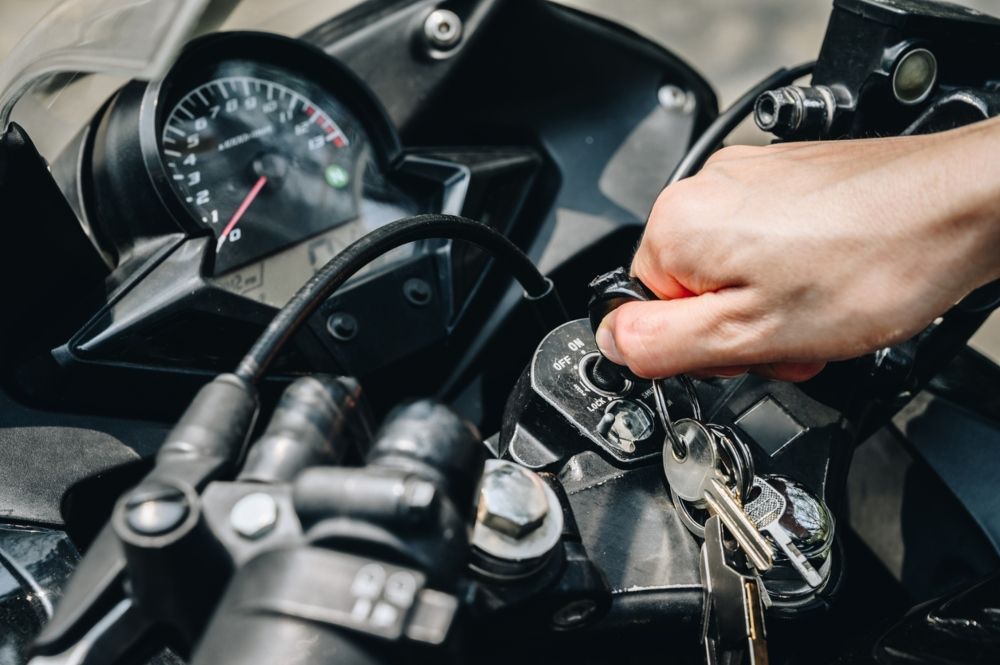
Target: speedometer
x=262 y=158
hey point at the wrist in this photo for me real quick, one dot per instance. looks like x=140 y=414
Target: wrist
x=967 y=174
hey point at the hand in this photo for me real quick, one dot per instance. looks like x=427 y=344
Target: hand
x=781 y=258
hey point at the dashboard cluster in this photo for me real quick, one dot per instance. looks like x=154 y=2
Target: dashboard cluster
x=263 y=152
x=218 y=191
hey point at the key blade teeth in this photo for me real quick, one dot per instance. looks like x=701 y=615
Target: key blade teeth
x=812 y=578
x=802 y=564
x=795 y=556
x=755 y=547
x=766 y=512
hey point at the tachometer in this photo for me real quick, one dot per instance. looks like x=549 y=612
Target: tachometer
x=264 y=159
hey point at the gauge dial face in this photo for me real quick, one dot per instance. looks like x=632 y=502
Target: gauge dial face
x=263 y=159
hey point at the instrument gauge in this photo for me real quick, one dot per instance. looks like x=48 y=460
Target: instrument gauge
x=262 y=158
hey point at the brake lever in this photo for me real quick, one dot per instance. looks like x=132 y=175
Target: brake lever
x=91 y=596
x=107 y=641
x=160 y=512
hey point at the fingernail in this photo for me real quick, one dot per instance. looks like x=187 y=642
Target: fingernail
x=606 y=341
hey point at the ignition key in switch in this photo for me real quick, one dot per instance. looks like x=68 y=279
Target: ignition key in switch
x=561 y=406
x=609 y=292
x=612 y=290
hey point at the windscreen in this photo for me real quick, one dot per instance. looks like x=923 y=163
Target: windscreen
x=118 y=39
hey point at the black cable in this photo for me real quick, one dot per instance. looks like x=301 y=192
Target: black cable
x=538 y=288
x=723 y=125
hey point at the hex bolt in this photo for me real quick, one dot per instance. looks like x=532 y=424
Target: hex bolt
x=254 y=515
x=154 y=511
x=512 y=500
x=796 y=111
x=342 y=326
x=778 y=111
x=443 y=29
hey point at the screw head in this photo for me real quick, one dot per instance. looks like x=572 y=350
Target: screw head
x=512 y=500
x=417 y=291
x=254 y=515
x=156 y=510
x=673 y=98
x=443 y=29
x=342 y=326
x=574 y=613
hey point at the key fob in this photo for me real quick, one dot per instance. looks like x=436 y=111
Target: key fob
x=608 y=292
x=612 y=290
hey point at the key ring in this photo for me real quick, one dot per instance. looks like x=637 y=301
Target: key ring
x=676 y=444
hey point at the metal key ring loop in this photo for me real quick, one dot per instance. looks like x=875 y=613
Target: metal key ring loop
x=678 y=447
x=676 y=444
x=739 y=455
x=689 y=522
x=692 y=395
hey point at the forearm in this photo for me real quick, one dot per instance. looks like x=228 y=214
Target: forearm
x=798 y=253
x=970 y=196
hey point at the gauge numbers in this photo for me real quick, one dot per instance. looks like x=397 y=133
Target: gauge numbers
x=262 y=164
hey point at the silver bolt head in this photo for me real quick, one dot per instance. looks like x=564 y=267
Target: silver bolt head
x=254 y=515
x=674 y=98
x=512 y=499
x=443 y=28
x=155 y=511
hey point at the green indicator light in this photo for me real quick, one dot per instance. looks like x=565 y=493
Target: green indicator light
x=336 y=176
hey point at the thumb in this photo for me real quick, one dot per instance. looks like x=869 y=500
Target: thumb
x=666 y=337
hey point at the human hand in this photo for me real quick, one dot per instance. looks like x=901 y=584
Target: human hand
x=778 y=259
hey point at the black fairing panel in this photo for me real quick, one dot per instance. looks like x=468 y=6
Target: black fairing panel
x=584 y=93
x=579 y=92
x=532 y=71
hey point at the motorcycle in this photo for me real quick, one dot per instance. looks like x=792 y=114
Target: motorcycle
x=298 y=359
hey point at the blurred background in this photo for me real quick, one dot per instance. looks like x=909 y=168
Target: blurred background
x=733 y=43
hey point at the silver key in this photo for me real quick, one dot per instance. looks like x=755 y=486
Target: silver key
x=733 y=628
x=755 y=548
x=765 y=512
x=689 y=474
x=696 y=478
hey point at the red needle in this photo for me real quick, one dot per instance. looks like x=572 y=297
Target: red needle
x=254 y=191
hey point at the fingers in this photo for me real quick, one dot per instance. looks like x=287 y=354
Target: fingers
x=667 y=337
x=722 y=372
x=694 y=335
x=793 y=372
x=660 y=282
